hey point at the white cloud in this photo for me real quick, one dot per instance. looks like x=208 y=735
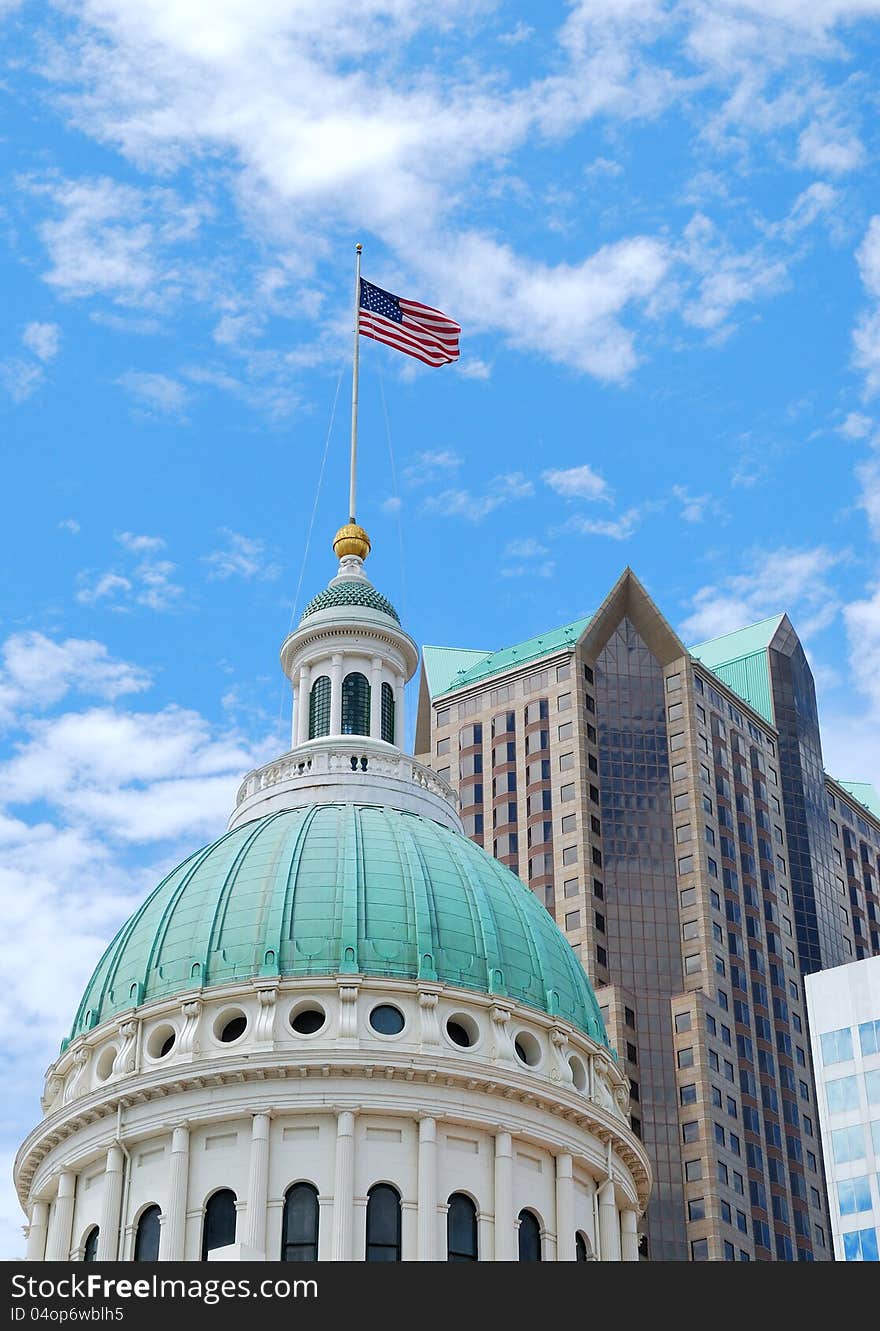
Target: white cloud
x=725 y=278
x=780 y=581
x=525 y=548
x=241 y=557
x=102 y=587
x=149 y=582
x=392 y=504
x=156 y=588
x=578 y=483
x=69 y=524
x=43 y=340
x=856 y=426
x=430 y=466
x=140 y=544
x=158 y=394
x=827 y=145
x=693 y=507
x=617 y=529
x=20 y=378
x=866 y=335
x=465 y=504
x=112 y=240
x=37 y=671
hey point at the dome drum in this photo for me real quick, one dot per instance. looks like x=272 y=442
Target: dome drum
x=299 y=1090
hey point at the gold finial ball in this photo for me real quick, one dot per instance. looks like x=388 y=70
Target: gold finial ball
x=351 y=540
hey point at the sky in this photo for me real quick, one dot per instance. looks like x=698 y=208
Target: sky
x=658 y=224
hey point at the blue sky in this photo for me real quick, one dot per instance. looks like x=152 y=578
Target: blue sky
x=659 y=227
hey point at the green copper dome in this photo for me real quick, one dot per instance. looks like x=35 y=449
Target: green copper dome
x=353 y=592
x=342 y=888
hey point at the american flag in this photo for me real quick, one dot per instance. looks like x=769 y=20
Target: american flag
x=408 y=325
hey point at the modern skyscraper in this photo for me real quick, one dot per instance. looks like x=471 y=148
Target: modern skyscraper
x=670 y=809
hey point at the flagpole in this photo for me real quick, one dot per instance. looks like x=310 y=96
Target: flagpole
x=354 y=385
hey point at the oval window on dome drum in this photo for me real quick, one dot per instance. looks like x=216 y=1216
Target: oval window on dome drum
x=218 y=1230
x=355 y=704
x=388 y=713
x=319 y=708
x=581 y=1252
x=383 y=1224
x=146 y=1243
x=299 y=1231
x=529 y=1237
x=90 y=1247
x=461 y=1229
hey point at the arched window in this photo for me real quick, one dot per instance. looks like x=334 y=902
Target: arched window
x=219 y=1227
x=383 y=1224
x=319 y=708
x=146 y=1242
x=355 y=704
x=388 y=713
x=461 y=1229
x=581 y=1251
x=299 y=1229
x=90 y=1247
x=529 y=1237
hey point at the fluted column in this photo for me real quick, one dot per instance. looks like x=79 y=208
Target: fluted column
x=376 y=698
x=609 y=1226
x=111 y=1206
x=61 y=1223
x=399 y=685
x=258 y=1184
x=565 y=1250
x=343 y=1187
x=336 y=694
x=504 y=1230
x=427 y=1199
x=36 y=1239
x=172 y=1237
x=302 y=706
x=629 y=1235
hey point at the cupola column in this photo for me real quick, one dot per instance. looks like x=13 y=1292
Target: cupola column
x=427 y=1198
x=629 y=1235
x=61 y=1224
x=336 y=694
x=111 y=1206
x=258 y=1184
x=376 y=698
x=565 y=1250
x=609 y=1225
x=302 y=706
x=504 y=1228
x=399 y=684
x=173 y=1233
x=36 y=1239
x=343 y=1187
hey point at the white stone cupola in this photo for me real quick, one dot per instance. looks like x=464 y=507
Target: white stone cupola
x=349 y=659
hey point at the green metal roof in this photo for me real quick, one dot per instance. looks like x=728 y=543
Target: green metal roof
x=442 y=664
x=342 y=889
x=495 y=663
x=740 y=660
x=865 y=793
x=354 y=592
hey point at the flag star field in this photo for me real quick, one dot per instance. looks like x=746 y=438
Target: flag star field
x=657 y=226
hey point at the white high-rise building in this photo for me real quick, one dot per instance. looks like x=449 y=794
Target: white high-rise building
x=844 y=1012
